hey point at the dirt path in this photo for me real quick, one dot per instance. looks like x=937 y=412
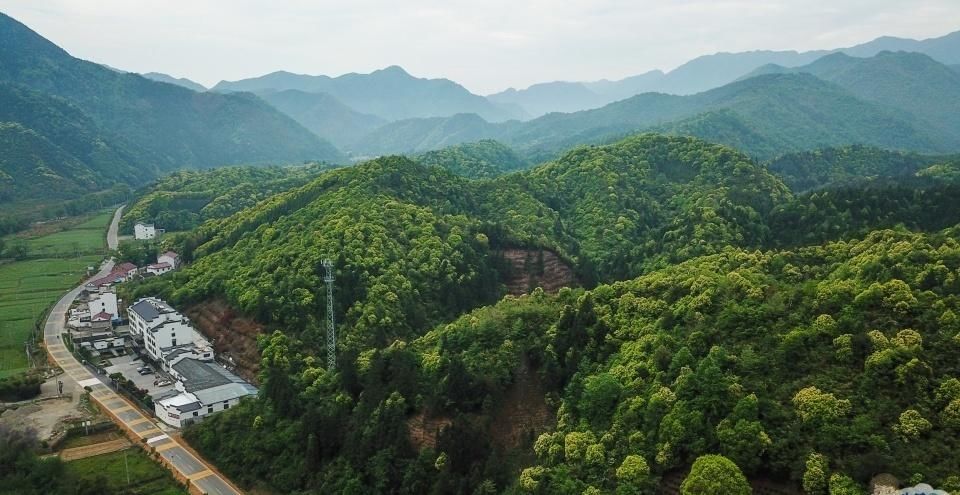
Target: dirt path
x=95 y=449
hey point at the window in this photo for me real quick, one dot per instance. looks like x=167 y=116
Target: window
x=226 y=406
x=195 y=414
x=210 y=410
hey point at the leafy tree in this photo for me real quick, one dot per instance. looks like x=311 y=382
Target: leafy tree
x=713 y=474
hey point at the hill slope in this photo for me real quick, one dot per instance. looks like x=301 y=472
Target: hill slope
x=177 y=126
x=324 y=115
x=910 y=82
x=842 y=349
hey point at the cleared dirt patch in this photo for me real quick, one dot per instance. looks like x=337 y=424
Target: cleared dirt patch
x=234 y=337
x=94 y=449
x=532 y=268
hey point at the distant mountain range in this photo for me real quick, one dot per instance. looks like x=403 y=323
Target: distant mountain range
x=390 y=93
x=704 y=73
x=765 y=115
x=108 y=126
x=179 y=81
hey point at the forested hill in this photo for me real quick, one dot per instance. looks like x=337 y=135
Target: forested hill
x=832 y=167
x=160 y=126
x=912 y=83
x=812 y=366
x=480 y=160
x=764 y=116
x=51 y=147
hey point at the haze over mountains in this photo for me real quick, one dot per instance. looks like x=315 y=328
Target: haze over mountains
x=108 y=126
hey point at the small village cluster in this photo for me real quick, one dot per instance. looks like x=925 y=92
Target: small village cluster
x=202 y=386
x=157 y=333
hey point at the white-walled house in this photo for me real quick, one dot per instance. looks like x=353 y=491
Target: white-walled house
x=162 y=328
x=144 y=231
x=104 y=303
x=206 y=388
x=159 y=268
x=171 y=258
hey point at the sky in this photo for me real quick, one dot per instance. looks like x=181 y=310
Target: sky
x=485 y=45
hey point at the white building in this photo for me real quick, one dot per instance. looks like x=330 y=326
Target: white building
x=159 y=268
x=162 y=328
x=171 y=258
x=144 y=231
x=104 y=303
x=206 y=388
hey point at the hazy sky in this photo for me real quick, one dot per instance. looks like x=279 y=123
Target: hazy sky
x=486 y=45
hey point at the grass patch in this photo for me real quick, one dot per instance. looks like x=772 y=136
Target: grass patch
x=28 y=287
x=85 y=237
x=147 y=477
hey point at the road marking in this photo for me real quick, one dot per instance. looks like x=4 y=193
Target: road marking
x=157 y=438
x=88 y=383
x=201 y=474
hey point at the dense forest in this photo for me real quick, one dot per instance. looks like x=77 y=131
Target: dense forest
x=724 y=323
x=184 y=199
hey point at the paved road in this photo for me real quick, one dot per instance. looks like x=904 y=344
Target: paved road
x=76 y=376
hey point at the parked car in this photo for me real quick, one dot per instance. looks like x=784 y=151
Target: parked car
x=146 y=370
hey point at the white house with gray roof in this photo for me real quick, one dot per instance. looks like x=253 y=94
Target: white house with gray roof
x=205 y=388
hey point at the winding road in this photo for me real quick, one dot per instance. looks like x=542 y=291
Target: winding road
x=200 y=477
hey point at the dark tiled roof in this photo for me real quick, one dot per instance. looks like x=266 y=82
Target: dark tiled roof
x=199 y=375
x=193 y=406
x=170 y=254
x=102 y=316
x=145 y=310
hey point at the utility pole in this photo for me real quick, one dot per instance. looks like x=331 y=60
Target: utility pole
x=331 y=329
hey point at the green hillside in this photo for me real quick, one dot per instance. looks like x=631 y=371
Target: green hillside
x=480 y=160
x=165 y=126
x=911 y=83
x=186 y=198
x=830 y=167
x=838 y=349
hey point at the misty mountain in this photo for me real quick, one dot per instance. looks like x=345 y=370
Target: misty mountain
x=561 y=96
x=390 y=93
x=765 y=115
x=910 y=82
x=171 y=126
x=324 y=115
x=707 y=72
x=419 y=135
x=179 y=81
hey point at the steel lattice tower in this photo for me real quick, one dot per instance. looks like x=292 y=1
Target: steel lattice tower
x=331 y=329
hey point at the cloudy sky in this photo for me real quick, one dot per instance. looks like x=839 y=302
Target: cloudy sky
x=485 y=45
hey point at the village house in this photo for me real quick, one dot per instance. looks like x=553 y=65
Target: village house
x=171 y=258
x=159 y=268
x=105 y=302
x=161 y=328
x=144 y=231
x=206 y=388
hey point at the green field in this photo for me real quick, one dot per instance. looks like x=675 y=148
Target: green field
x=28 y=287
x=147 y=477
x=84 y=238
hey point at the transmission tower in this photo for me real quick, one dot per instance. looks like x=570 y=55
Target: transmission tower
x=331 y=329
